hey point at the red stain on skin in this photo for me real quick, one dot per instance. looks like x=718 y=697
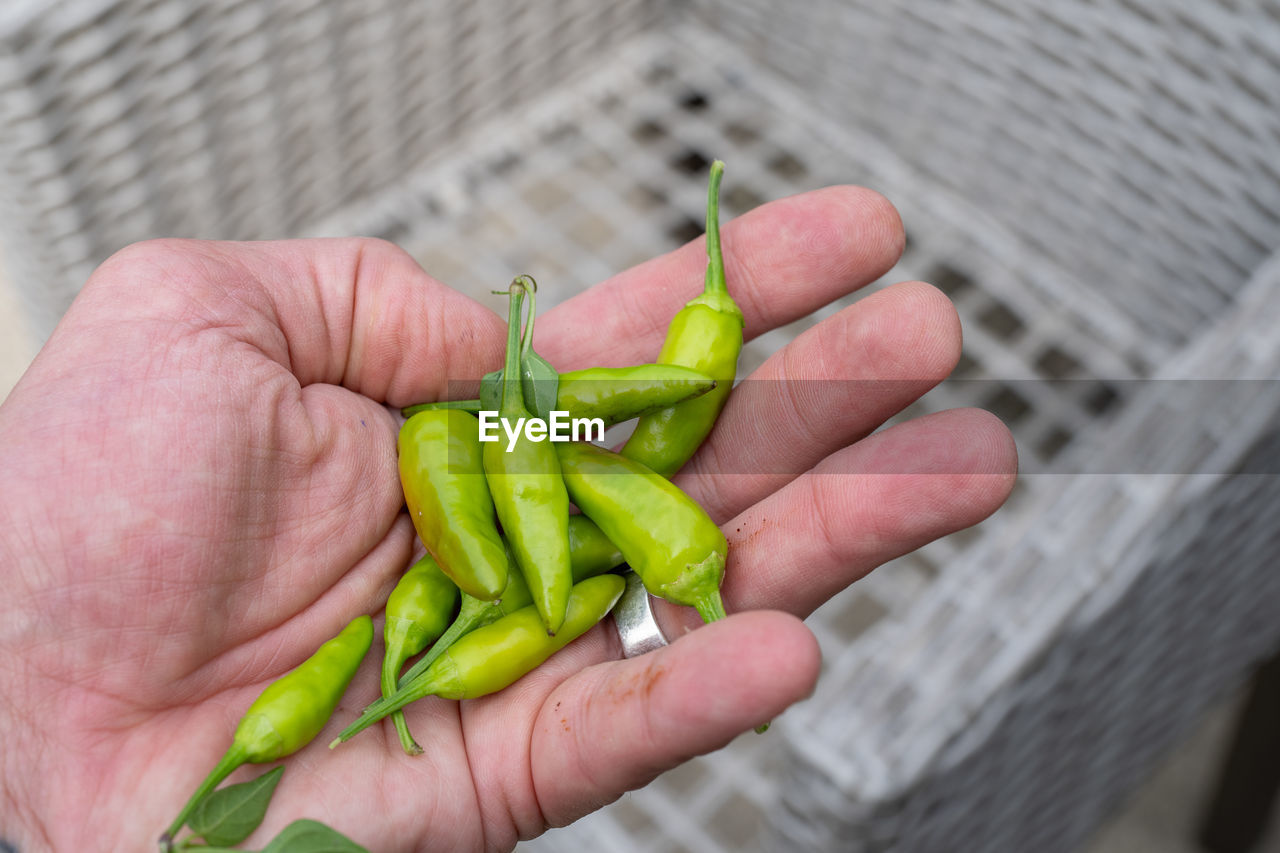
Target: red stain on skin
x=642 y=683
x=761 y=527
x=624 y=691
x=652 y=675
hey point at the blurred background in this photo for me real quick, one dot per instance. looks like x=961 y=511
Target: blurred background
x=1095 y=183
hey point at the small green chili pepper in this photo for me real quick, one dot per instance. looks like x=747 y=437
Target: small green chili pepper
x=442 y=474
x=419 y=610
x=705 y=335
x=290 y=712
x=590 y=554
x=497 y=655
x=612 y=394
x=666 y=537
x=617 y=394
x=524 y=480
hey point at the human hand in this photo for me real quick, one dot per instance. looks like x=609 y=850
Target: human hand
x=200 y=487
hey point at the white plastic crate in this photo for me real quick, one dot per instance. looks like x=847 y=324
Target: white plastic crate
x=1088 y=181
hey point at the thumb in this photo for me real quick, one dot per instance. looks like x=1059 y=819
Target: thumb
x=615 y=727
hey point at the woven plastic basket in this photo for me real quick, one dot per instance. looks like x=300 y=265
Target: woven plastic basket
x=1091 y=182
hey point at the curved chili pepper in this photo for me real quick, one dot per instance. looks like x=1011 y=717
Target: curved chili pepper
x=666 y=537
x=528 y=491
x=289 y=713
x=418 y=611
x=613 y=394
x=442 y=474
x=617 y=394
x=705 y=335
x=590 y=554
x=497 y=655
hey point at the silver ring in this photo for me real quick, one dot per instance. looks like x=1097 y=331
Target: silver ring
x=633 y=615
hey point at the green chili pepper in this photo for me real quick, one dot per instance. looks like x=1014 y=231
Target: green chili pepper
x=496 y=655
x=419 y=610
x=612 y=394
x=666 y=537
x=617 y=394
x=442 y=474
x=289 y=713
x=705 y=335
x=528 y=491
x=590 y=554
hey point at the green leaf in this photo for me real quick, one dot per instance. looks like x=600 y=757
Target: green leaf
x=491 y=391
x=309 y=836
x=231 y=814
x=540 y=383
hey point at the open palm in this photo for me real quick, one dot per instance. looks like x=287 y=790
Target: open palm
x=200 y=487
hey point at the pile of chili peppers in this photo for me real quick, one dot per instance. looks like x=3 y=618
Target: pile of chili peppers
x=511 y=574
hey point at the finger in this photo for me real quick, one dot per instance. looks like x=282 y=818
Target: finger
x=783 y=260
x=614 y=727
x=833 y=385
x=369 y=318
x=861 y=507
x=354 y=312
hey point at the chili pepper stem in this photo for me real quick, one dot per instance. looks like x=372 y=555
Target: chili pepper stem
x=715 y=258
x=440 y=646
x=395 y=703
x=715 y=291
x=512 y=390
x=391 y=665
x=710 y=607
x=235 y=756
x=407 y=743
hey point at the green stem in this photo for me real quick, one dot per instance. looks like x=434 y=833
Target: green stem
x=531 y=290
x=710 y=607
x=392 y=663
x=411 y=693
x=459 y=627
x=234 y=757
x=407 y=743
x=464 y=624
x=715 y=259
x=512 y=389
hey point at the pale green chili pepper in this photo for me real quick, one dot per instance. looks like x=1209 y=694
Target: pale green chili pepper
x=705 y=335
x=289 y=713
x=419 y=610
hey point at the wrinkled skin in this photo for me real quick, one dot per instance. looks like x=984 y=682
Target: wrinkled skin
x=199 y=488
